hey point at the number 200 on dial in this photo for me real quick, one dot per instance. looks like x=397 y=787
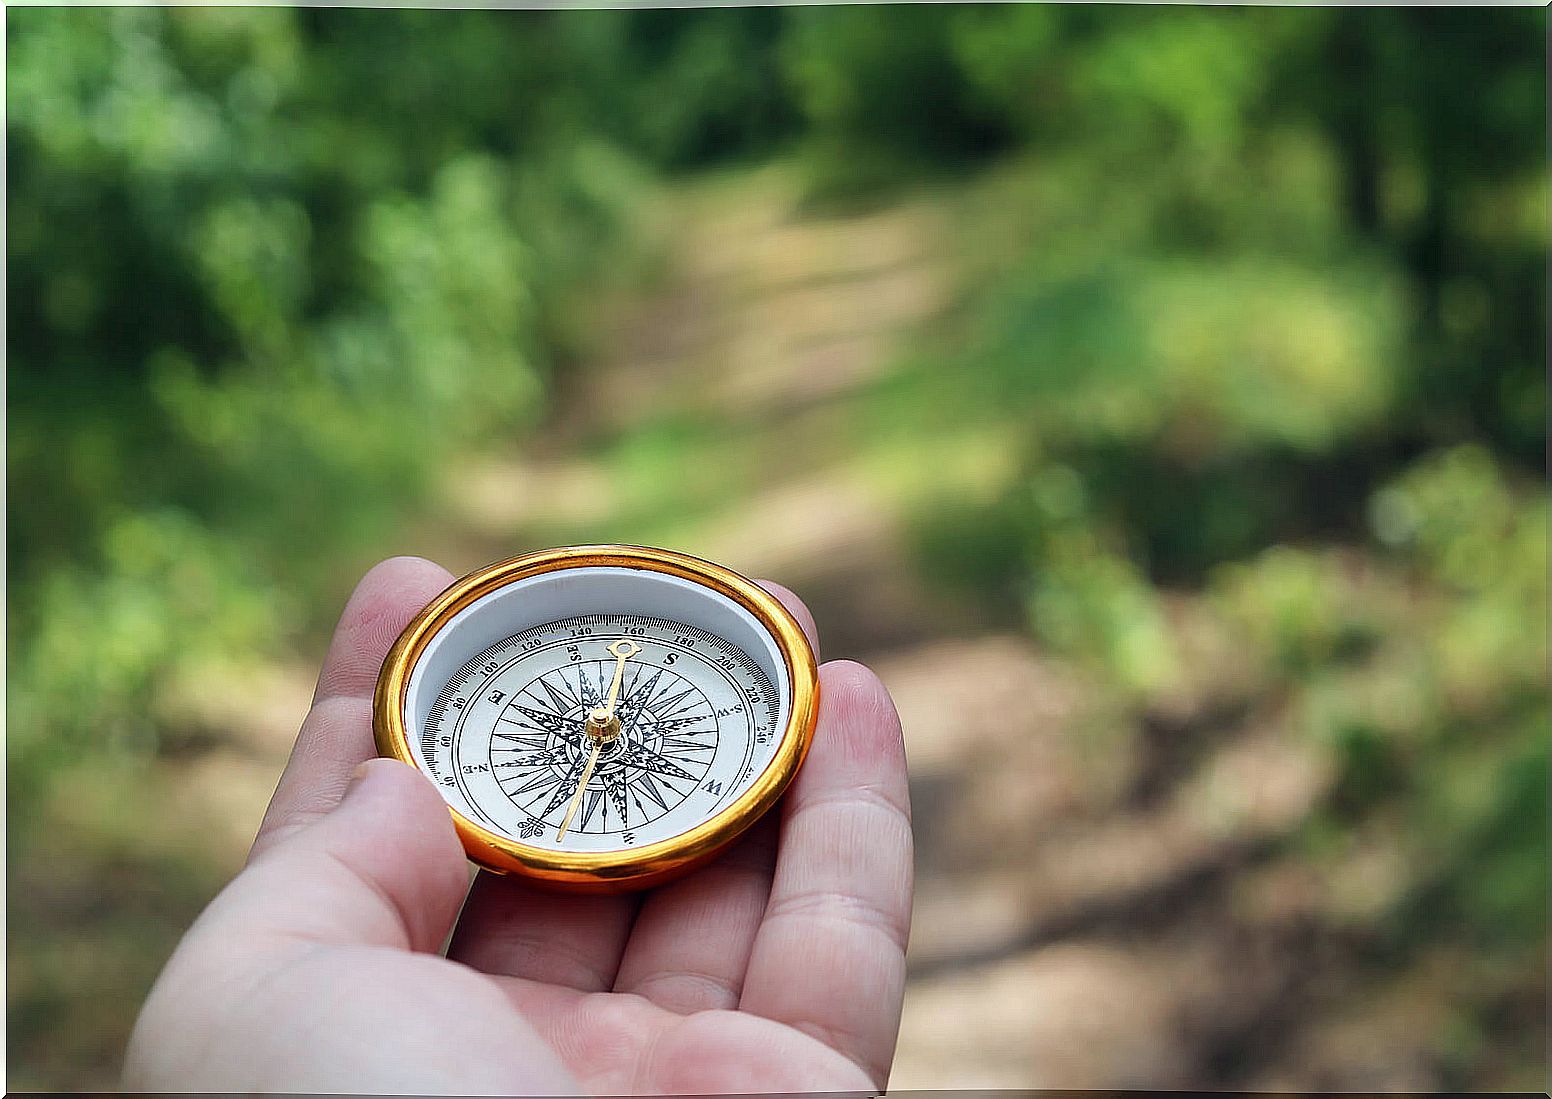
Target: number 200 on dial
x=600 y=717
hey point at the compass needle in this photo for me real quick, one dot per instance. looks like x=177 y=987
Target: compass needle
x=562 y=785
x=587 y=773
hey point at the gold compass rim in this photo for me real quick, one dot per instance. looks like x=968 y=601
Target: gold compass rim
x=653 y=863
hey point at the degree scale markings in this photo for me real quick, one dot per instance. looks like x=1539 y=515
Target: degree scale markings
x=520 y=748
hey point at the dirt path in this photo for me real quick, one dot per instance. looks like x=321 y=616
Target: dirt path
x=718 y=415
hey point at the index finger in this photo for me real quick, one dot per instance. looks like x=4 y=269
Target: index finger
x=337 y=732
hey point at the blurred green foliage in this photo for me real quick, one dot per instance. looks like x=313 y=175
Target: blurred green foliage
x=263 y=280
x=1264 y=293
x=1261 y=291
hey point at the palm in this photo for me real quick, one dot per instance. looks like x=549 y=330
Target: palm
x=629 y=1045
x=701 y=986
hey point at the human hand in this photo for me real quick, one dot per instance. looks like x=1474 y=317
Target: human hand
x=778 y=967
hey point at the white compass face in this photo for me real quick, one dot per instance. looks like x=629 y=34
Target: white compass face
x=504 y=731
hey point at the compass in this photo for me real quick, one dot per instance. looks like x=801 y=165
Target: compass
x=600 y=718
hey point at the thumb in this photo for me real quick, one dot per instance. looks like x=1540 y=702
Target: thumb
x=383 y=868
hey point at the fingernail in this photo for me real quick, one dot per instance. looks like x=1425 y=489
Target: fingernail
x=357 y=773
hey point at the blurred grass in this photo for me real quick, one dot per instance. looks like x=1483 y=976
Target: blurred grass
x=1228 y=317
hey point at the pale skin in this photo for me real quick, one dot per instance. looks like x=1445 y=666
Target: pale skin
x=779 y=967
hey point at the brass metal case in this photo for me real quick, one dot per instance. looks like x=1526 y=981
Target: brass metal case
x=637 y=868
